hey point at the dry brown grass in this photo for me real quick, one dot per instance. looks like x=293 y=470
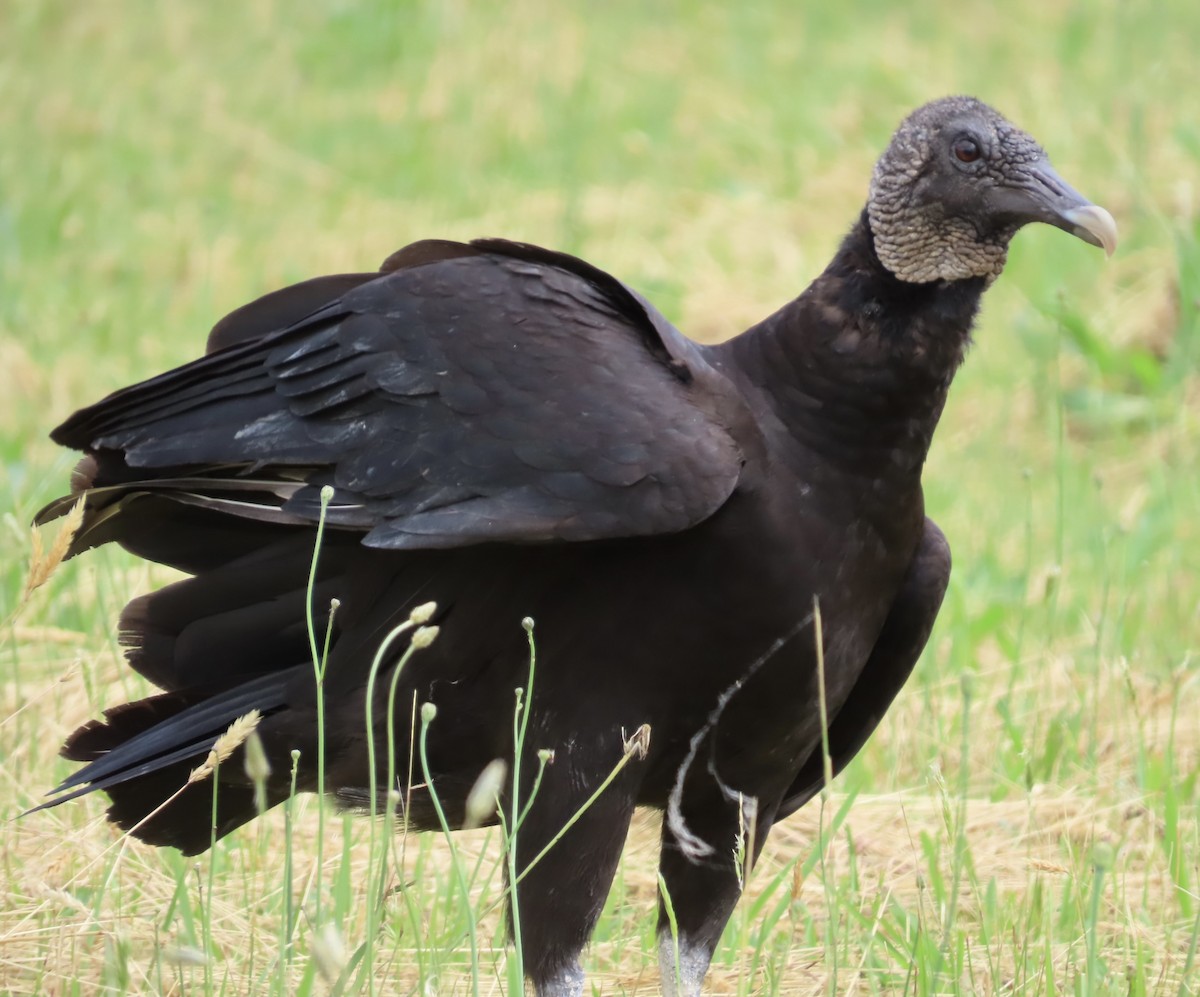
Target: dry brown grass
x=76 y=889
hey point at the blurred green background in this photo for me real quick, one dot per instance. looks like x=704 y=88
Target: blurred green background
x=162 y=163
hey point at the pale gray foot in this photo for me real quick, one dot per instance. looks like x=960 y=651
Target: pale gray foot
x=566 y=982
x=682 y=966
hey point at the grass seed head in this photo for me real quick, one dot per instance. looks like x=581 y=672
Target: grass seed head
x=42 y=563
x=225 y=745
x=639 y=743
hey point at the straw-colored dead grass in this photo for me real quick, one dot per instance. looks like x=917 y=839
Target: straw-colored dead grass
x=57 y=864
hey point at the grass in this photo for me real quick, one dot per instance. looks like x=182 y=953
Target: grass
x=1026 y=821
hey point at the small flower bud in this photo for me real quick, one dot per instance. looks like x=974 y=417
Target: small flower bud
x=423 y=613
x=423 y=636
x=326 y=494
x=428 y=712
x=527 y=623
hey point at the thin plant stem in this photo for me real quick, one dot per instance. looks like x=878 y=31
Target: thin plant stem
x=285 y=941
x=827 y=780
x=428 y=713
x=632 y=748
x=543 y=758
x=673 y=923
x=520 y=730
x=318 y=663
x=374 y=908
x=211 y=880
x=959 y=822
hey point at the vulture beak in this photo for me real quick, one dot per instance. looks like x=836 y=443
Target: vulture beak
x=1092 y=224
x=1039 y=194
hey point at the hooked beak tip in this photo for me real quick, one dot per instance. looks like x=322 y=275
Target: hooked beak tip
x=1093 y=224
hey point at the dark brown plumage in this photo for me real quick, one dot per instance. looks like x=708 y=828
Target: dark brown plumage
x=511 y=432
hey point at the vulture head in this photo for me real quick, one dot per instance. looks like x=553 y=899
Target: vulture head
x=956 y=183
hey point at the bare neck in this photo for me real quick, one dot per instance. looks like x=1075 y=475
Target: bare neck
x=857 y=368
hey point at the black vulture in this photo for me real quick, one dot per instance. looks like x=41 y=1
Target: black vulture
x=510 y=432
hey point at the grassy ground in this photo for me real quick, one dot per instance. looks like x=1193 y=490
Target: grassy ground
x=1026 y=821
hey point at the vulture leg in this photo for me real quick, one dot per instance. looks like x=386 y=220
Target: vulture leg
x=703 y=831
x=708 y=841
x=560 y=898
x=892 y=659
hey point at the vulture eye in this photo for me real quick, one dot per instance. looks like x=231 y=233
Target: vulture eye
x=966 y=150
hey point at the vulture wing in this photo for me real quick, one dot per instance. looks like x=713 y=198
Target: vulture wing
x=485 y=392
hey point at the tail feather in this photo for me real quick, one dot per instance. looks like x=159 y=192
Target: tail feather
x=142 y=754
x=163 y=808
x=189 y=733
x=226 y=641
x=189 y=753
x=241 y=619
x=186 y=821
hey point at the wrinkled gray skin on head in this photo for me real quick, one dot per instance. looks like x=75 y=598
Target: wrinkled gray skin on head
x=930 y=213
